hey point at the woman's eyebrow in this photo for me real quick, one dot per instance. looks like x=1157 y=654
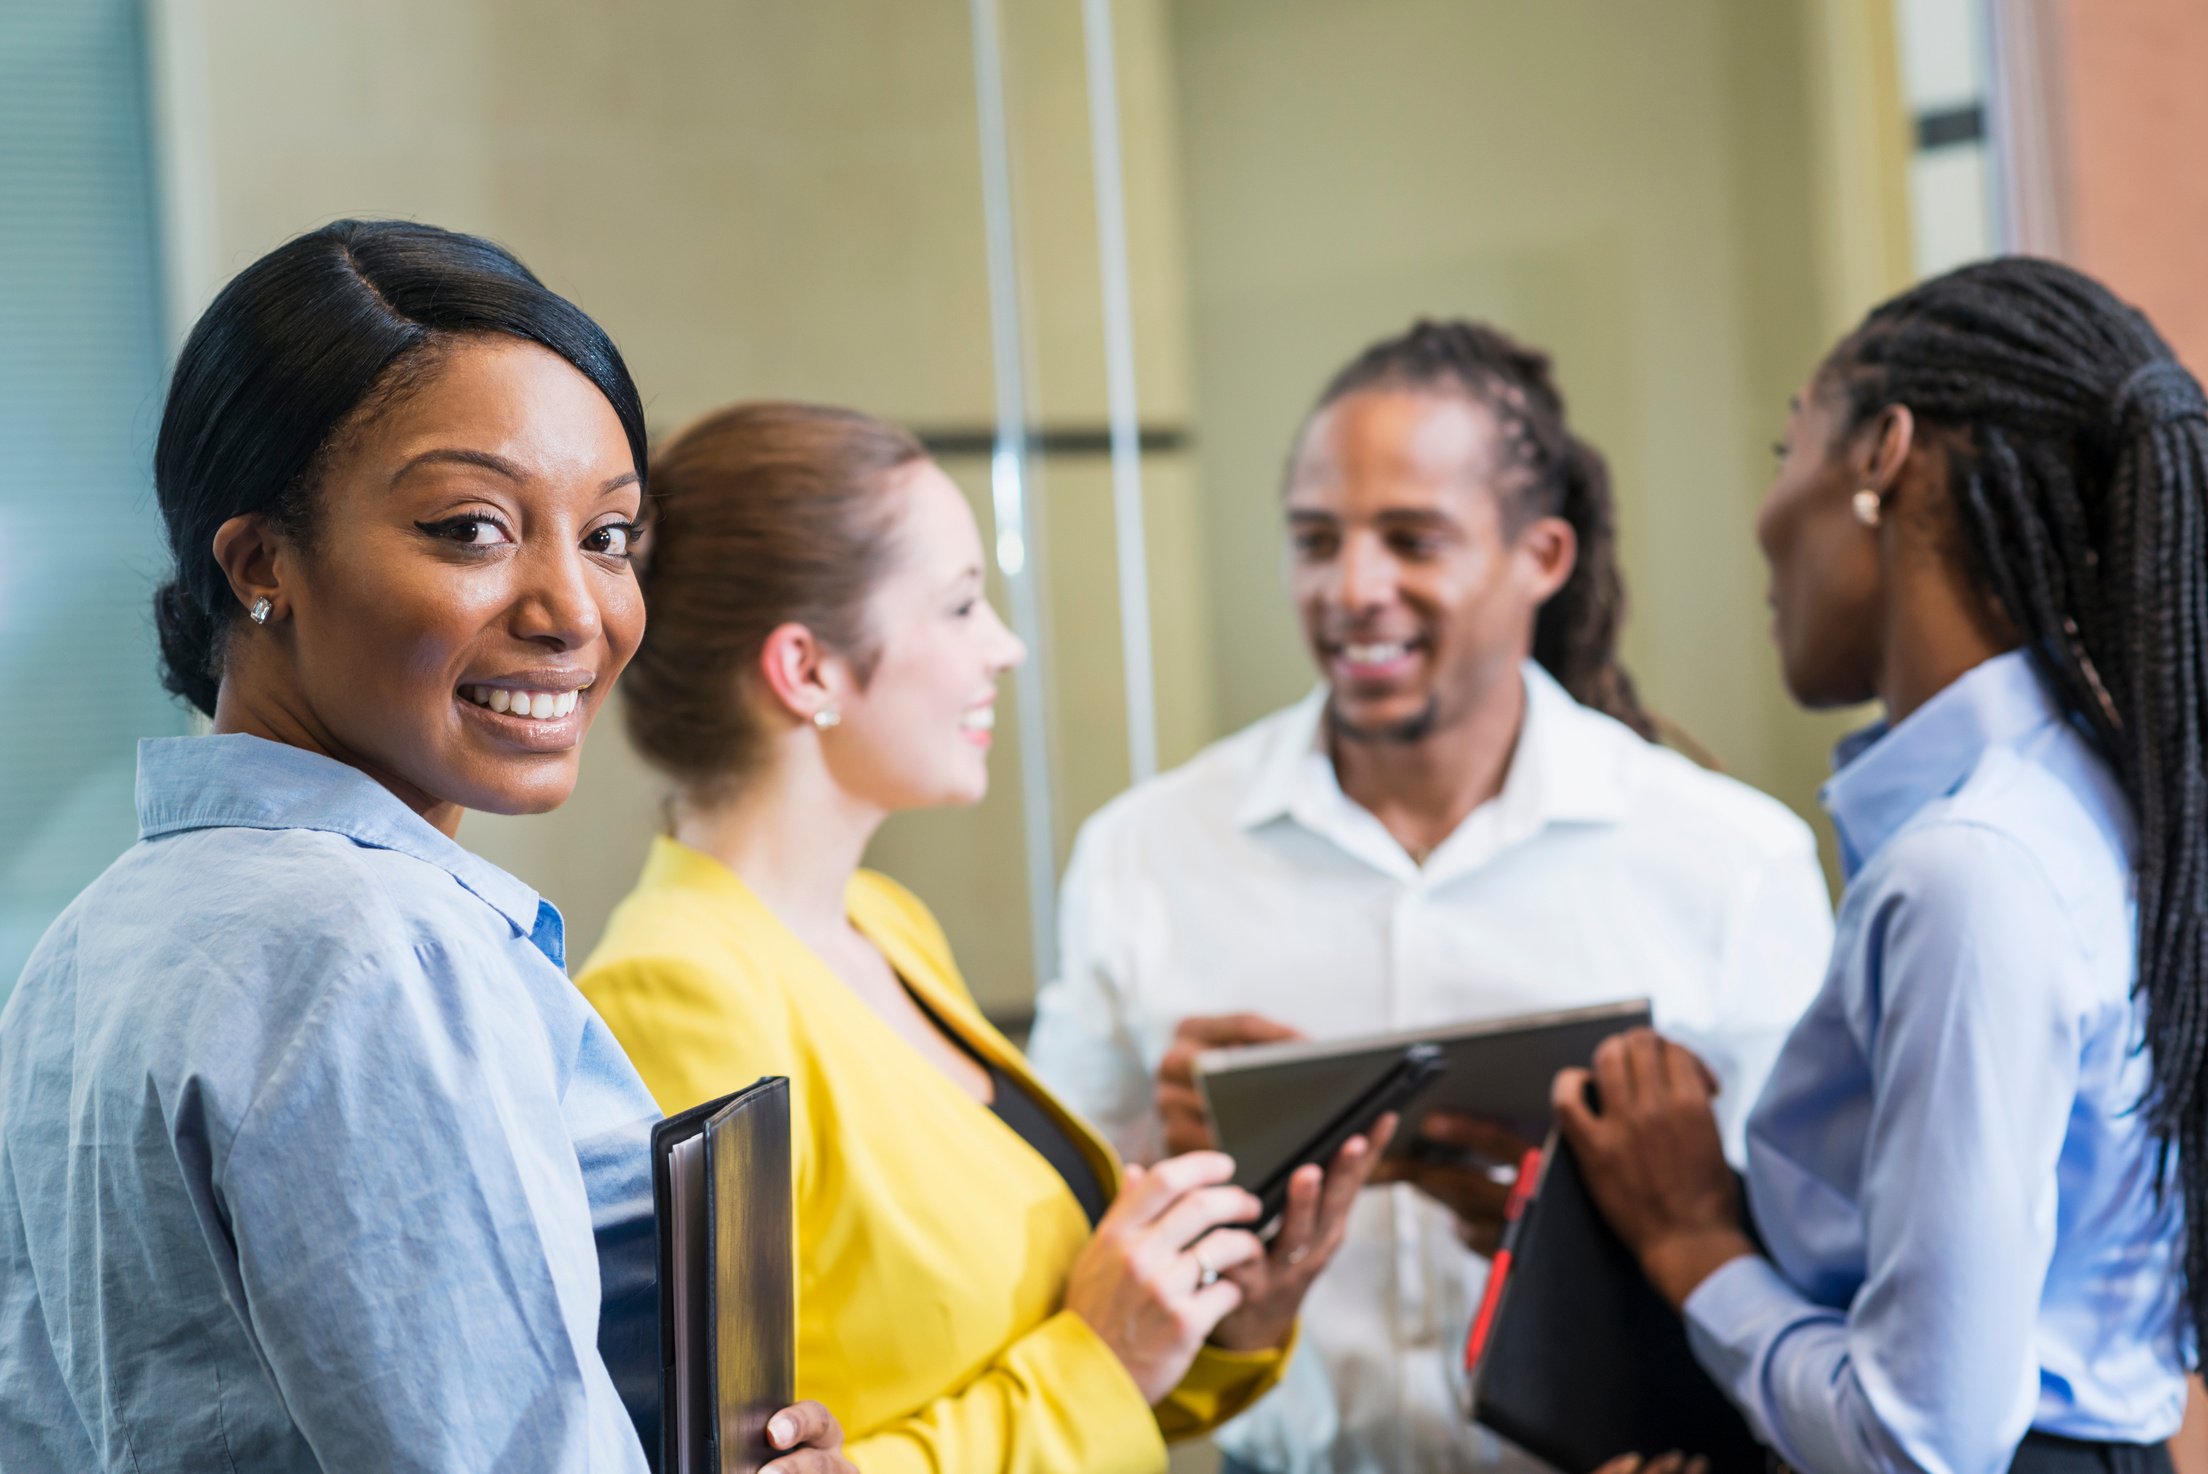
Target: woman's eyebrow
x=455 y=456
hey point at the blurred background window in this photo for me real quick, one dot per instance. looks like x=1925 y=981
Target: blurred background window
x=1091 y=250
x=81 y=360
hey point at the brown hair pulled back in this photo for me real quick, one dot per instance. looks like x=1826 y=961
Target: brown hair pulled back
x=1550 y=472
x=761 y=515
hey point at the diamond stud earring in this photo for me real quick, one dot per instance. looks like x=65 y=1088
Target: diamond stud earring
x=1869 y=507
x=262 y=608
x=827 y=717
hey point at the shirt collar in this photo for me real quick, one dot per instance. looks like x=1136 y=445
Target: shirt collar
x=1885 y=773
x=1568 y=765
x=234 y=781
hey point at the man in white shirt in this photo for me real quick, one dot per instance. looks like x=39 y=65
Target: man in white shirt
x=1440 y=832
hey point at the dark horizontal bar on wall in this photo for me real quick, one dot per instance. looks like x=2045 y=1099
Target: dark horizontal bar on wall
x=1951 y=126
x=1050 y=440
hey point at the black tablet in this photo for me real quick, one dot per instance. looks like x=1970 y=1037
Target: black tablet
x=1267 y=1101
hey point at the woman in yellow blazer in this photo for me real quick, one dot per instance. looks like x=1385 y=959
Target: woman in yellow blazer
x=983 y=1287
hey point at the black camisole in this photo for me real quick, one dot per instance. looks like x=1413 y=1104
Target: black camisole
x=1015 y=1105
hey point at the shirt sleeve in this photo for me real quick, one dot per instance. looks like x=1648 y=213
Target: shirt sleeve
x=413 y=1236
x=1085 y=1044
x=1778 y=944
x=1973 y=1039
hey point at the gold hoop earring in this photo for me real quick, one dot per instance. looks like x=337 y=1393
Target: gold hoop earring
x=1869 y=507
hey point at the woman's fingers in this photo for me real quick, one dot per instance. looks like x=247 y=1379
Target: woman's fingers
x=1149 y=1194
x=1613 y=1074
x=804 y=1425
x=1299 y=1219
x=1347 y=1174
x=1193 y=1216
x=1225 y=1250
x=811 y=1461
x=1213 y=1303
x=1568 y=1098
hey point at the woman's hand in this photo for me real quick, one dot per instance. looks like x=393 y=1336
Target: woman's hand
x=809 y=1440
x=1652 y=1158
x=1153 y=1281
x=1311 y=1228
x=1671 y=1463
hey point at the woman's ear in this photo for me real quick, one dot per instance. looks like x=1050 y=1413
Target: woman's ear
x=794 y=667
x=1886 y=444
x=252 y=559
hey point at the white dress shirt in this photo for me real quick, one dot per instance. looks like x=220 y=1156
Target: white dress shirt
x=1606 y=868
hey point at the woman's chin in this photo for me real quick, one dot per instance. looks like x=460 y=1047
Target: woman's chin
x=518 y=793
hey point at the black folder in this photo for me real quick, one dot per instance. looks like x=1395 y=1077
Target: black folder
x=1578 y=1359
x=727 y=1296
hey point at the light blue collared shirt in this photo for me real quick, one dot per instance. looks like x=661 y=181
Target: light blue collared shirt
x=310 y=1155
x=1958 y=1196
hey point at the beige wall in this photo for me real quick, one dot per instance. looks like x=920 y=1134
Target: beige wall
x=760 y=198
x=1682 y=202
x=756 y=198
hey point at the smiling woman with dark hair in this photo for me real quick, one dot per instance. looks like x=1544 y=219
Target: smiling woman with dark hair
x=309 y=1154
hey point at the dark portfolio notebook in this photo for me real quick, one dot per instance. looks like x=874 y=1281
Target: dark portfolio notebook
x=727 y=1306
x=1575 y=1357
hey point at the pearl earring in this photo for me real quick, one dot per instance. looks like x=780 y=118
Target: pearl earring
x=827 y=717
x=262 y=608
x=1869 y=507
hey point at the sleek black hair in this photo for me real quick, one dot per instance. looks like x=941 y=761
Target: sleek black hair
x=2079 y=473
x=1550 y=472
x=289 y=354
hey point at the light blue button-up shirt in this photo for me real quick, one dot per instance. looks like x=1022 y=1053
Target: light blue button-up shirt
x=1959 y=1199
x=310 y=1156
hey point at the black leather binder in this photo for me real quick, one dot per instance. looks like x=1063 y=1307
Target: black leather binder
x=1578 y=1359
x=727 y=1295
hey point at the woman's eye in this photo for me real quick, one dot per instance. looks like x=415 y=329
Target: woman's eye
x=473 y=532
x=615 y=539
x=964 y=610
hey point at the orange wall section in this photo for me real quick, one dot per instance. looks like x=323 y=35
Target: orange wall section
x=2135 y=115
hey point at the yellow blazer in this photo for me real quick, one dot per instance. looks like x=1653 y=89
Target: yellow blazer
x=933 y=1243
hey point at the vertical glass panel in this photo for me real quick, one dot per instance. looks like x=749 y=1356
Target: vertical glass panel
x=80 y=384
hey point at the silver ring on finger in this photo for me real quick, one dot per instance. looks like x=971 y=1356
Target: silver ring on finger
x=1206 y=1276
x=1298 y=1254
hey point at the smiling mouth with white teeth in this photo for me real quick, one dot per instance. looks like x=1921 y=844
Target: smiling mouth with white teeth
x=543 y=706
x=1376 y=654
x=980 y=719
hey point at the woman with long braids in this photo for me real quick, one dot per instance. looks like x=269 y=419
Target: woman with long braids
x=1979 y=1169
x=1465 y=819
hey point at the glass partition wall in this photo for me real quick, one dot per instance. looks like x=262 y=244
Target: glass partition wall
x=886 y=205
x=1100 y=256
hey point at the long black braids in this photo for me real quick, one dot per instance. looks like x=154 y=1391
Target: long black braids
x=1551 y=473
x=2079 y=454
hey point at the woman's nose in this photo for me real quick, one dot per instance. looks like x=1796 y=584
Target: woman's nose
x=557 y=604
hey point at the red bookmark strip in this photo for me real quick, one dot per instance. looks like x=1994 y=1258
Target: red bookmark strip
x=1498 y=1270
